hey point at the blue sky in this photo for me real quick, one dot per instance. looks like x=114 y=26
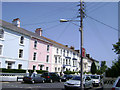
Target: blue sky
x=98 y=38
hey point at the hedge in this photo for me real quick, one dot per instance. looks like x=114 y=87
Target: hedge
x=4 y=70
x=12 y=70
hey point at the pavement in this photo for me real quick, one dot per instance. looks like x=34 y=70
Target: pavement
x=42 y=86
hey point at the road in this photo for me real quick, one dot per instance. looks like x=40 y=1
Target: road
x=36 y=86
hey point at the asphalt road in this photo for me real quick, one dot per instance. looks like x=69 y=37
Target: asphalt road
x=36 y=86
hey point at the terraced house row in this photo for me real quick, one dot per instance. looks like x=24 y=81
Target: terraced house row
x=22 y=49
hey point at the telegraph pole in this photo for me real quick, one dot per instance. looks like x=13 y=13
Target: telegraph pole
x=81 y=48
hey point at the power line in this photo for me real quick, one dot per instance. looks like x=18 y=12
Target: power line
x=99 y=7
x=52 y=26
x=40 y=23
x=63 y=31
x=102 y=23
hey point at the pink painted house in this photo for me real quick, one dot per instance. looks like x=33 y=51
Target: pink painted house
x=40 y=56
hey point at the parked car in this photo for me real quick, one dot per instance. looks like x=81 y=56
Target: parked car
x=51 y=77
x=74 y=83
x=97 y=80
x=116 y=85
x=66 y=77
x=33 y=78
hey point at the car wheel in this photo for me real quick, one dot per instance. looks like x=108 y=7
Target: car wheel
x=51 y=80
x=33 y=81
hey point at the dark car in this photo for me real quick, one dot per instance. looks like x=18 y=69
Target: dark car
x=51 y=77
x=66 y=77
x=33 y=78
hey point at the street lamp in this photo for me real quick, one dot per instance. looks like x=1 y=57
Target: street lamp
x=81 y=56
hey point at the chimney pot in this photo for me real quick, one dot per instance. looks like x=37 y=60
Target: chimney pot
x=72 y=47
x=39 y=31
x=66 y=45
x=16 y=22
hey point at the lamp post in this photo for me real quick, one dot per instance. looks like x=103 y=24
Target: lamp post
x=81 y=31
x=81 y=47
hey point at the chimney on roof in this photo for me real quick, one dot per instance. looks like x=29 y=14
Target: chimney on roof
x=66 y=45
x=77 y=51
x=72 y=47
x=16 y=22
x=88 y=55
x=38 y=31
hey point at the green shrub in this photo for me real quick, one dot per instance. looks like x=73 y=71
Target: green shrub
x=4 y=70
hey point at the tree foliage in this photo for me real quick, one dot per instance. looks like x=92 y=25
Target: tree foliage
x=114 y=71
x=103 y=67
x=116 y=48
x=93 y=68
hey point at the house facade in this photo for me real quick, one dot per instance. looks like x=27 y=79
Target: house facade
x=40 y=57
x=22 y=49
x=64 y=57
x=14 y=46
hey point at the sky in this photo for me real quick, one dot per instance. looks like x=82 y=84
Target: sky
x=97 y=38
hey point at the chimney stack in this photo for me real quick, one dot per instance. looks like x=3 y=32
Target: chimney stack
x=16 y=22
x=88 y=55
x=66 y=45
x=72 y=47
x=38 y=31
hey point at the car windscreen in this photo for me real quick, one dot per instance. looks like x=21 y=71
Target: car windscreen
x=118 y=83
x=95 y=77
x=76 y=78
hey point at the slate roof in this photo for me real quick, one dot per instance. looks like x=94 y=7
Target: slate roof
x=31 y=34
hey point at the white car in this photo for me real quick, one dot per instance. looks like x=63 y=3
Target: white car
x=75 y=82
x=97 y=81
x=116 y=85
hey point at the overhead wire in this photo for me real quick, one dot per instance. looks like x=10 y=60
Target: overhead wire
x=99 y=7
x=63 y=31
x=102 y=23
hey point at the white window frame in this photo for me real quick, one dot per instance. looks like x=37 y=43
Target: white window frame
x=35 y=67
x=47 y=58
x=55 y=59
x=1 y=50
x=46 y=68
x=35 y=44
x=48 y=48
x=19 y=64
x=19 y=53
x=9 y=65
x=35 y=56
x=2 y=35
x=22 y=40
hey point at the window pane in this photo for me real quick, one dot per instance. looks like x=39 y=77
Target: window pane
x=34 y=56
x=21 y=40
x=20 y=53
x=0 y=49
x=1 y=33
x=20 y=66
x=35 y=44
x=47 y=47
x=47 y=59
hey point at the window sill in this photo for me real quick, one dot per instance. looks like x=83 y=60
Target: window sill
x=21 y=44
x=35 y=48
x=20 y=58
x=2 y=39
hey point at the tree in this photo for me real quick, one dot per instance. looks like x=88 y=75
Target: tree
x=114 y=71
x=116 y=48
x=103 y=67
x=93 y=68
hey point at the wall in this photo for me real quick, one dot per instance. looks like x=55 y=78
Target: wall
x=41 y=51
x=10 y=50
